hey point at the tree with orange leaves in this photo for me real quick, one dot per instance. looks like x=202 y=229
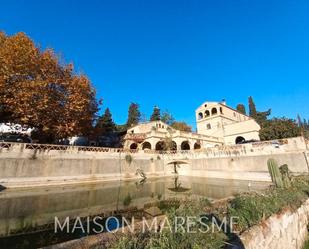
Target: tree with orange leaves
x=37 y=90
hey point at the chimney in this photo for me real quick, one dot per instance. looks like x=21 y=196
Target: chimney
x=223 y=102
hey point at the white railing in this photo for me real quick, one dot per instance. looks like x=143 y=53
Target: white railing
x=230 y=150
x=59 y=147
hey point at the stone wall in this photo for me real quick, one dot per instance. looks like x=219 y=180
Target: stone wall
x=287 y=230
x=243 y=167
x=30 y=165
x=20 y=166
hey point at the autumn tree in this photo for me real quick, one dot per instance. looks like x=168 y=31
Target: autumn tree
x=241 y=108
x=156 y=115
x=134 y=115
x=182 y=126
x=105 y=123
x=38 y=90
x=168 y=118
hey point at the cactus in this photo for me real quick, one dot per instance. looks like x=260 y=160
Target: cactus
x=284 y=170
x=274 y=172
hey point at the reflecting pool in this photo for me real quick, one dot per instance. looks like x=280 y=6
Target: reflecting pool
x=27 y=215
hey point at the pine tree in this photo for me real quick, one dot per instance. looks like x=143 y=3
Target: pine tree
x=106 y=123
x=252 y=108
x=134 y=115
x=155 y=114
x=241 y=108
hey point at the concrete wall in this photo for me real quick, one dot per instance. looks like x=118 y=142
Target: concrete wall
x=22 y=165
x=243 y=167
x=287 y=230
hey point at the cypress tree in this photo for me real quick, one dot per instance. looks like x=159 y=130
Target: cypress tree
x=241 y=108
x=300 y=122
x=252 y=108
x=155 y=114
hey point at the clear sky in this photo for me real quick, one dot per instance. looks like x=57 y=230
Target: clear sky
x=178 y=54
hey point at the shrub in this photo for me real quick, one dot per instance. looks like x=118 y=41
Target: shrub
x=250 y=208
x=128 y=158
x=127 y=200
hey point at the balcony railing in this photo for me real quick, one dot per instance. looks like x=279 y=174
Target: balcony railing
x=59 y=147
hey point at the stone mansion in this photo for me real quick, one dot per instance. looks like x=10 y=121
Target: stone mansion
x=217 y=124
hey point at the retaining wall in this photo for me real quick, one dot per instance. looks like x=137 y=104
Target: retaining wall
x=287 y=230
x=31 y=165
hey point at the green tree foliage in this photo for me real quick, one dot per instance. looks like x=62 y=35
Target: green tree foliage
x=134 y=115
x=241 y=108
x=278 y=128
x=252 y=108
x=182 y=126
x=156 y=115
x=259 y=117
x=167 y=118
x=105 y=123
x=121 y=128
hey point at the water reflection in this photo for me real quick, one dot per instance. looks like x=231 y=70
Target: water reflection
x=24 y=210
x=177 y=186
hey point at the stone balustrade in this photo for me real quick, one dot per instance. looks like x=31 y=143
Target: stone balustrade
x=258 y=148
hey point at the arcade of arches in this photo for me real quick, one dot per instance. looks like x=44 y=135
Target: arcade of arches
x=161 y=145
x=146 y=145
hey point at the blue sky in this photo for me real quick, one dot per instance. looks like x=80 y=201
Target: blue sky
x=178 y=54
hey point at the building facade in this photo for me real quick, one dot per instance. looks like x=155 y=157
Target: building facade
x=219 y=120
x=217 y=124
x=157 y=135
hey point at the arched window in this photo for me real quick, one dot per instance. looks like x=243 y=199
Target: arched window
x=197 y=146
x=207 y=113
x=200 y=116
x=185 y=145
x=146 y=145
x=173 y=145
x=239 y=140
x=133 y=146
x=214 y=111
x=160 y=145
